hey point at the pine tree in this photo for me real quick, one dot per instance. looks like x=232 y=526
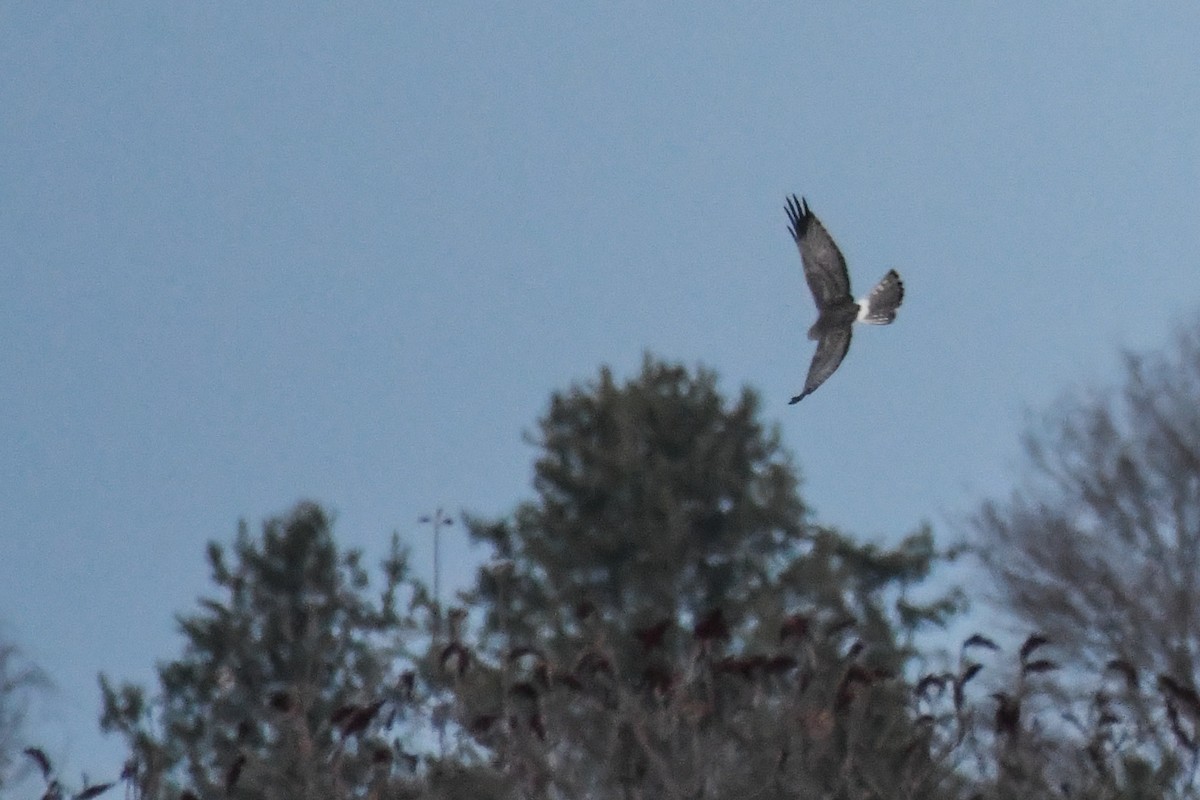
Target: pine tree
x=282 y=677
x=665 y=619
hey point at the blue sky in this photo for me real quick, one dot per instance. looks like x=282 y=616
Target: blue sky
x=253 y=253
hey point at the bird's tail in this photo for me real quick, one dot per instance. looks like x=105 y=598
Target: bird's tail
x=879 y=307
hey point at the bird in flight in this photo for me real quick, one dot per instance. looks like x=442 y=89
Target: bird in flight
x=837 y=310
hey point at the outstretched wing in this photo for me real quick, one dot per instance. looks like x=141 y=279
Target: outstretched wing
x=831 y=349
x=824 y=267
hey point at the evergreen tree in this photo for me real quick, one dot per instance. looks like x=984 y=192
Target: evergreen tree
x=665 y=620
x=654 y=500
x=283 y=677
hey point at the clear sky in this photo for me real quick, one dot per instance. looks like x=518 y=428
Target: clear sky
x=257 y=252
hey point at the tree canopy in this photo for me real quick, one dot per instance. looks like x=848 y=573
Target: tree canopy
x=277 y=669
x=669 y=566
x=665 y=618
x=1099 y=547
x=653 y=498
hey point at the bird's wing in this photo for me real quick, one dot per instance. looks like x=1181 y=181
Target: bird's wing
x=831 y=349
x=824 y=266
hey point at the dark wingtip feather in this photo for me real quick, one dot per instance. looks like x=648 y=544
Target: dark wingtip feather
x=798 y=214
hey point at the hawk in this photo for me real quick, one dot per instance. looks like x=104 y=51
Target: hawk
x=837 y=310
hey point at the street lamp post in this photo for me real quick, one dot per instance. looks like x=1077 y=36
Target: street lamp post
x=437 y=520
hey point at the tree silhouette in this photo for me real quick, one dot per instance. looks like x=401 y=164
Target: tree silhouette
x=281 y=675
x=654 y=499
x=664 y=619
x=1099 y=548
